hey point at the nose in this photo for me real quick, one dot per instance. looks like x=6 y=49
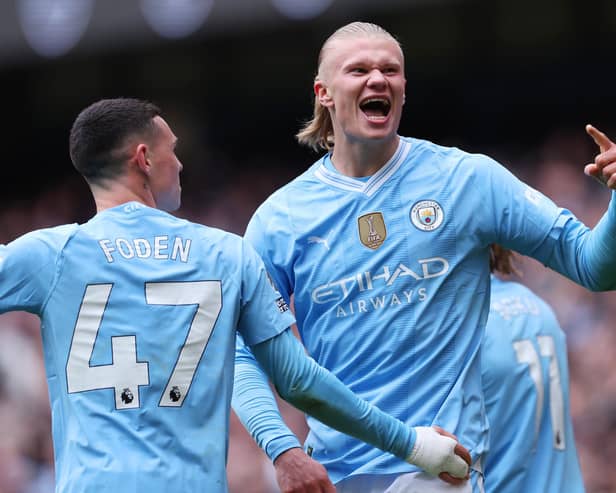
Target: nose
x=376 y=78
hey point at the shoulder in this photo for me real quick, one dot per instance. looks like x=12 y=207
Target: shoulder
x=429 y=147
x=228 y=246
x=212 y=237
x=45 y=240
x=280 y=210
x=231 y=253
x=209 y=234
x=295 y=189
x=449 y=158
x=31 y=258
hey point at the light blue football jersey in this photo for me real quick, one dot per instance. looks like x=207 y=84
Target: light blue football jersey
x=139 y=312
x=526 y=382
x=390 y=278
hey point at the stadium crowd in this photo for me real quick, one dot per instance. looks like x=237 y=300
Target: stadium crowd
x=555 y=168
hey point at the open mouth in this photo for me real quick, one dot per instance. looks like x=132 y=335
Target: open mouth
x=375 y=108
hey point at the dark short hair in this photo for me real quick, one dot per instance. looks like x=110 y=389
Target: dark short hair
x=100 y=131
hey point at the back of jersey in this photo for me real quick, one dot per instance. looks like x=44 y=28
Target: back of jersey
x=526 y=386
x=138 y=336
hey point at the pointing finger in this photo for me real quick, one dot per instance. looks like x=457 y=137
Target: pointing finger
x=599 y=137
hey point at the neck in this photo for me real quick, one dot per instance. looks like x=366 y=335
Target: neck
x=360 y=158
x=118 y=193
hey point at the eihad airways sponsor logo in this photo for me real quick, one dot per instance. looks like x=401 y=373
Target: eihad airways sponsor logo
x=387 y=287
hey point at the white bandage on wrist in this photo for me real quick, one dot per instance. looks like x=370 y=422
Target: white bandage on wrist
x=435 y=453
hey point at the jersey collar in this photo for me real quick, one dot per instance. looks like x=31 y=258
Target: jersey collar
x=368 y=187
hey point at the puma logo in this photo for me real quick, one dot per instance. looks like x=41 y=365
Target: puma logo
x=322 y=241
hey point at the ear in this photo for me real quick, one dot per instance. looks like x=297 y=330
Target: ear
x=140 y=159
x=323 y=94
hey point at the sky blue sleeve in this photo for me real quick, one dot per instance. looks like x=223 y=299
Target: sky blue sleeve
x=311 y=388
x=27 y=269
x=269 y=233
x=264 y=312
x=519 y=217
x=586 y=256
x=255 y=405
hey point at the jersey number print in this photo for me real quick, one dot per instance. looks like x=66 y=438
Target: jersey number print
x=126 y=374
x=526 y=353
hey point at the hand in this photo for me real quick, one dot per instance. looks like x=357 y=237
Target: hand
x=458 y=450
x=298 y=473
x=438 y=453
x=604 y=167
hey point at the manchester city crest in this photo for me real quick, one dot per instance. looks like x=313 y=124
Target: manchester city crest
x=372 y=231
x=427 y=215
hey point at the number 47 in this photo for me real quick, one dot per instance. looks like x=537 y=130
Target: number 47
x=126 y=374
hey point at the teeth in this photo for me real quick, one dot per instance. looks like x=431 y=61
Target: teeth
x=376 y=100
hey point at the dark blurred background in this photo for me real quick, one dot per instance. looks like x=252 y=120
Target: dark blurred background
x=481 y=74
x=514 y=79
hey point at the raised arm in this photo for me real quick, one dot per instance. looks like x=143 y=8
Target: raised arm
x=314 y=390
x=513 y=214
x=593 y=251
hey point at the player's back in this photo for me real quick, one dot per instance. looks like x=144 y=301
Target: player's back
x=526 y=385
x=138 y=335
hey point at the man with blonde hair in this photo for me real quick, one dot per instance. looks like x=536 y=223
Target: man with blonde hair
x=395 y=304
x=139 y=313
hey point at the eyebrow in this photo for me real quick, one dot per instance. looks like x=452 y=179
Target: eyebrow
x=363 y=62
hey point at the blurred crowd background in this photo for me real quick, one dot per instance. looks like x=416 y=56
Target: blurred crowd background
x=515 y=80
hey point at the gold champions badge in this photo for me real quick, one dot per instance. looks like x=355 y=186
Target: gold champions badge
x=372 y=231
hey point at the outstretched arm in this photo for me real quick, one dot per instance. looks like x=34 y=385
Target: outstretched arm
x=522 y=219
x=314 y=390
x=593 y=251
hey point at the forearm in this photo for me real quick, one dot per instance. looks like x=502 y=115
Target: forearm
x=601 y=247
x=314 y=390
x=255 y=406
x=591 y=261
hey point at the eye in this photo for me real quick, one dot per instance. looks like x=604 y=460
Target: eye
x=358 y=70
